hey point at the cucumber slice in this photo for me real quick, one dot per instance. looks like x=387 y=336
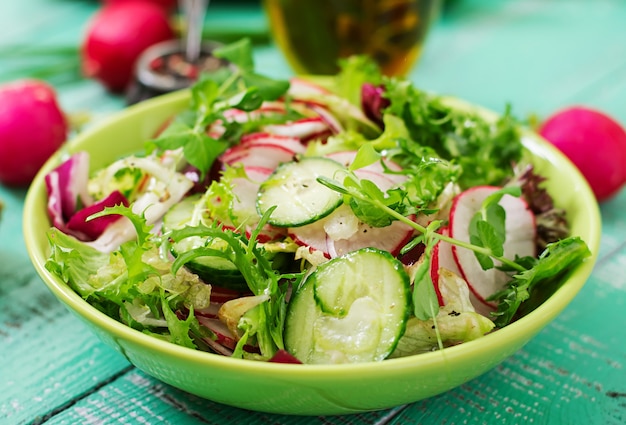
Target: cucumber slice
x=351 y=309
x=214 y=270
x=181 y=214
x=298 y=197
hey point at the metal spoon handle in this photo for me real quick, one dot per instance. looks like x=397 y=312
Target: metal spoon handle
x=194 y=12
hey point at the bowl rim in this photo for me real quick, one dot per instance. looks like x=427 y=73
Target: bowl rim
x=521 y=330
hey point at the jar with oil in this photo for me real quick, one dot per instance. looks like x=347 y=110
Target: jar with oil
x=314 y=34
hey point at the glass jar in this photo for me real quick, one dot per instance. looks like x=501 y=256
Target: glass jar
x=314 y=34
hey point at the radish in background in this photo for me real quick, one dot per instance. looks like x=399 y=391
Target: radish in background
x=117 y=35
x=594 y=142
x=32 y=128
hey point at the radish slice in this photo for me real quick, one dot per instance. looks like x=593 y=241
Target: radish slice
x=299 y=87
x=520 y=238
x=244 y=208
x=327 y=117
x=268 y=155
x=343 y=232
x=224 y=337
x=260 y=139
x=442 y=258
x=304 y=128
x=240 y=116
x=347 y=157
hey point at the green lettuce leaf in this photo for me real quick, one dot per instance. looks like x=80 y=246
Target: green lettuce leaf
x=456 y=322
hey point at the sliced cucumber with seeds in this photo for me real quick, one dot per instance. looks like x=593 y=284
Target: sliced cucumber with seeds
x=211 y=269
x=351 y=309
x=298 y=197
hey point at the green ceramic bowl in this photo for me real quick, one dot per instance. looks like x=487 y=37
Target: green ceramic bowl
x=305 y=389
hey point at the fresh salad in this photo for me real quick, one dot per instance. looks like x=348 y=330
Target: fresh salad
x=348 y=219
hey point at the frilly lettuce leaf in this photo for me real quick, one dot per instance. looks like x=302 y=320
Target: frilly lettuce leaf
x=456 y=322
x=146 y=301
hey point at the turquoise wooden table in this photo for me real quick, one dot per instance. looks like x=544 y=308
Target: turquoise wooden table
x=537 y=55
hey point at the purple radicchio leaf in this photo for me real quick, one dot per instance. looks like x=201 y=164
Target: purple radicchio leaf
x=67 y=189
x=373 y=103
x=89 y=230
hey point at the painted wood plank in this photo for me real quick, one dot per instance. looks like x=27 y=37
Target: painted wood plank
x=537 y=55
x=136 y=398
x=572 y=372
x=48 y=357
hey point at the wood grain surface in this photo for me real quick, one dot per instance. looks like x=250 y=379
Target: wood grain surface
x=538 y=56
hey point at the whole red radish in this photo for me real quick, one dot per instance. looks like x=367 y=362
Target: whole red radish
x=168 y=5
x=117 y=35
x=594 y=142
x=32 y=128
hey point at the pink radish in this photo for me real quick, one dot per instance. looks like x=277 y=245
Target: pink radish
x=259 y=139
x=244 y=208
x=443 y=258
x=520 y=238
x=268 y=108
x=301 y=88
x=32 y=128
x=117 y=35
x=330 y=120
x=167 y=5
x=347 y=157
x=342 y=232
x=595 y=143
x=304 y=129
x=265 y=155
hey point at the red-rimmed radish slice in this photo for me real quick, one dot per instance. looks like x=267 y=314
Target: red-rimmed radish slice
x=347 y=157
x=219 y=295
x=210 y=311
x=221 y=331
x=311 y=235
x=520 y=238
x=327 y=116
x=264 y=139
x=244 y=207
x=258 y=155
x=304 y=129
x=226 y=341
x=238 y=115
x=442 y=258
x=342 y=232
x=300 y=87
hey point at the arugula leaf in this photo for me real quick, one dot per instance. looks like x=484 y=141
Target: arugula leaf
x=483 y=150
x=553 y=264
x=260 y=275
x=269 y=89
x=487 y=227
x=238 y=53
x=425 y=302
x=240 y=88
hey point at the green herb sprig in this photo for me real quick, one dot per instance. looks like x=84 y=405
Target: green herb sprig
x=487 y=237
x=237 y=87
